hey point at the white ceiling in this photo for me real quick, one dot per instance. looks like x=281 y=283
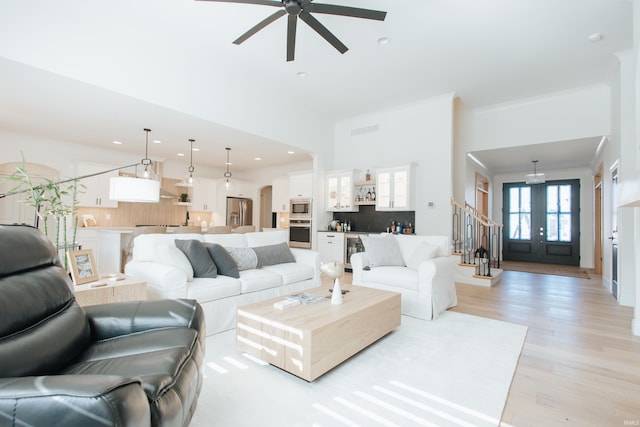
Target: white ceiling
x=99 y=71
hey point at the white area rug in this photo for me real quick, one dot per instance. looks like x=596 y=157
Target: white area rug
x=455 y=371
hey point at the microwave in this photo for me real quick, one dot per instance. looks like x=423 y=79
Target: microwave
x=300 y=208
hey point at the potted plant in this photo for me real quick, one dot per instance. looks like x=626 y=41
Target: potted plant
x=55 y=200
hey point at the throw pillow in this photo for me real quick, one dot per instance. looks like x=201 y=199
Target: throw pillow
x=224 y=261
x=273 y=254
x=174 y=257
x=245 y=258
x=423 y=252
x=382 y=249
x=198 y=256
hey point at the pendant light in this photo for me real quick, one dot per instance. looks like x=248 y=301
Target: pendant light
x=227 y=174
x=144 y=189
x=189 y=178
x=535 y=177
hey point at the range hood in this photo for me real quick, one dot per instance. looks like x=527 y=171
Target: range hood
x=164 y=194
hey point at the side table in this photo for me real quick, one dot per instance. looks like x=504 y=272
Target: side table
x=107 y=291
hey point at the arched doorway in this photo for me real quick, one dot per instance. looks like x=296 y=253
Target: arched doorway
x=266 y=215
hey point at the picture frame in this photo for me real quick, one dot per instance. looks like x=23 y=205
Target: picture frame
x=82 y=266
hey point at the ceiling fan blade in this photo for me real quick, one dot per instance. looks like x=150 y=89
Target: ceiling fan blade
x=323 y=31
x=260 y=25
x=260 y=2
x=354 y=12
x=291 y=37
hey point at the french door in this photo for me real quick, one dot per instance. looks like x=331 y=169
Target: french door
x=542 y=222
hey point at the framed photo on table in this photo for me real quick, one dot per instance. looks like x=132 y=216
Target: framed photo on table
x=82 y=265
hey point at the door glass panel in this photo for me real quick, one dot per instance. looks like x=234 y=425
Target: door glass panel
x=332 y=193
x=552 y=199
x=384 y=189
x=558 y=213
x=400 y=189
x=345 y=192
x=520 y=213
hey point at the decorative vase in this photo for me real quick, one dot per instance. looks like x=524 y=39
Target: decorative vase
x=336 y=296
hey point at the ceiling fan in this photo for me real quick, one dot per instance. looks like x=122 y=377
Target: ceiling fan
x=302 y=9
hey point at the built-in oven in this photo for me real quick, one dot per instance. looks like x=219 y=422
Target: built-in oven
x=300 y=233
x=300 y=208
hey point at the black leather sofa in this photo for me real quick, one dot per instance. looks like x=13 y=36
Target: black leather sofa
x=123 y=364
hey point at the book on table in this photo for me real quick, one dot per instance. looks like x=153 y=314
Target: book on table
x=307 y=298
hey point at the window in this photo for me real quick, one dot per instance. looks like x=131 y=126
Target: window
x=558 y=213
x=520 y=213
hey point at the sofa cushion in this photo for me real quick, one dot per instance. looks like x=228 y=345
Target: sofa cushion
x=204 y=289
x=198 y=256
x=224 y=261
x=258 y=279
x=382 y=249
x=174 y=257
x=423 y=252
x=245 y=258
x=273 y=254
x=235 y=240
x=409 y=242
x=266 y=238
x=292 y=272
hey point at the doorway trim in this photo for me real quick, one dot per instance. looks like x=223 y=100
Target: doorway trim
x=598 y=244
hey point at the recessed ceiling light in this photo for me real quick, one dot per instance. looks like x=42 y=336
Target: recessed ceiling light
x=195 y=149
x=384 y=40
x=180 y=154
x=301 y=74
x=595 y=37
x=157 y=141
x=291 y=152
x=257 y=158
x=117 y=142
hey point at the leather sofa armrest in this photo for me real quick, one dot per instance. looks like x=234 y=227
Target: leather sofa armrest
x=73 y=400
x=359 y=261
x=111 y=320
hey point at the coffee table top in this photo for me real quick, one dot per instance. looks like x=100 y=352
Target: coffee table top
x=312 y=316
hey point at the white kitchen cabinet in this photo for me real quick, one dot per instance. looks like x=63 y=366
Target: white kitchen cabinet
x=395 y=188
x=331 y=246
x=96 y=191
x=13 y=209
x=236 y=188
x=300 y=185
x=339 y=191
x=280 y=194
x=204 y=193
x=107 y=246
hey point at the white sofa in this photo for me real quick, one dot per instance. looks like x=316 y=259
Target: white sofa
x=423 y=272
x=158 y=261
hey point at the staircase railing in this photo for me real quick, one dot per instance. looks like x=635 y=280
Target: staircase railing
x=477 y=238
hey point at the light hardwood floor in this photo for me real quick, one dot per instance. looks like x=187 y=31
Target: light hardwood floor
x=580 y=365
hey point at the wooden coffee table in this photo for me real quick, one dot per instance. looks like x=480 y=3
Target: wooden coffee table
x=310 y=339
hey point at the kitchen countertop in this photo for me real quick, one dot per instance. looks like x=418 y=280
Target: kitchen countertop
x=350 y=232
x=109 y=229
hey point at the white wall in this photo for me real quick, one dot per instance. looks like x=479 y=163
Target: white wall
x=567 y=115
x=421 y=133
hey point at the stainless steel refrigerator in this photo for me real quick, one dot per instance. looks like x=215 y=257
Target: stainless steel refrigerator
x=239 y=211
